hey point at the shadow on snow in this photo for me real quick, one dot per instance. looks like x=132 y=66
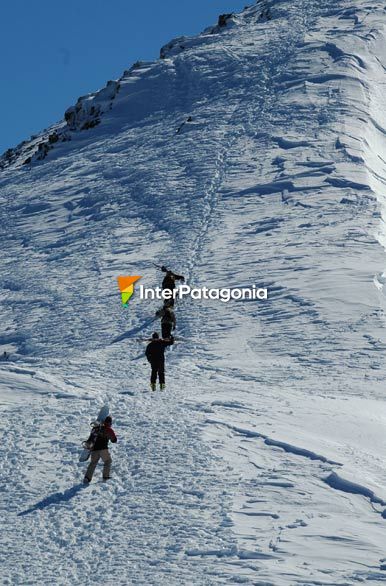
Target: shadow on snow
x=134 y=331
x=54 y=499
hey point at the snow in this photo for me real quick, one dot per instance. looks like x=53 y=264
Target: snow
x=253 y=154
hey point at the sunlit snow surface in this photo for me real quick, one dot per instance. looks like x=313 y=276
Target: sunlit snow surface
x=264 y=461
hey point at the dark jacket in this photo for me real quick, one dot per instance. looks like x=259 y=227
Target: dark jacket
x=155 y=351
x=169 y=281
x=103 y=437
x=167 y=315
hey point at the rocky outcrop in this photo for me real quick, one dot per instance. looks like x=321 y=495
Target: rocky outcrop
x=265 y=13
x=173 y=48
x=88 y=109
x=86 y=114
x=223 y=19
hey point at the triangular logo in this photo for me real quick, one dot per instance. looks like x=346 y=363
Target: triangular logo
x=126 y=287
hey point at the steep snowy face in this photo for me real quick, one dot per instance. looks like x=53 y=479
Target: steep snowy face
x=253 y=153
x=250 y=154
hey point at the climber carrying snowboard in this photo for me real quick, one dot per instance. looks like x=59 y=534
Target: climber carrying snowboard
x=98 y=444
x=155 y=354
x=169 y=280
x=168 y=319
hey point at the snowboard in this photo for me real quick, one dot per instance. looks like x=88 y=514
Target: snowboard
x=103 y=413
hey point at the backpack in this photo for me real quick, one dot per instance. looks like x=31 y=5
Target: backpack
x=96 y=432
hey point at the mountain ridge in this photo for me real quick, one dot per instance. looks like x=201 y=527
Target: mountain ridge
x=89 y=109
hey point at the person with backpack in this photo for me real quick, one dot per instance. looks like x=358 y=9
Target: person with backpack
x=98 y=442
x=169 y=280
x=168 y=320
x=155 y=354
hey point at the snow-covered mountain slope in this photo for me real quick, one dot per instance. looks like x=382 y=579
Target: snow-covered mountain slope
x=254 y=153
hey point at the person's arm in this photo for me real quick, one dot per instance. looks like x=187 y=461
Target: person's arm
x=111 y=434
x=179 y=277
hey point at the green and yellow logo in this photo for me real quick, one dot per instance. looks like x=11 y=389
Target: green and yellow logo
x=126 y=287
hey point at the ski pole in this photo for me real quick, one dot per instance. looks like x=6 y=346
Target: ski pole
x=157 y=266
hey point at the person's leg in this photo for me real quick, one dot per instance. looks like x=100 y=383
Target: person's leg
x=105 y=455
x=95 y=455
x=166 y=330
x=154 y=369
x=153 y=377
x=161 y=372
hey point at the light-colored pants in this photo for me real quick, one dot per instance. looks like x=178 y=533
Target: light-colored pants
x=95 y=456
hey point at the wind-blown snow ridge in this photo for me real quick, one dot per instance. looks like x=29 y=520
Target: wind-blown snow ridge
x=276 y=443
x=338 y=483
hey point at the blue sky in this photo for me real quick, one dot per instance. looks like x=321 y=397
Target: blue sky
x=53 y=52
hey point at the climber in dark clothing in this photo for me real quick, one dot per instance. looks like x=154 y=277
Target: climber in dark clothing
x=168 y=319
x=155 y=354
x=169 y=280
